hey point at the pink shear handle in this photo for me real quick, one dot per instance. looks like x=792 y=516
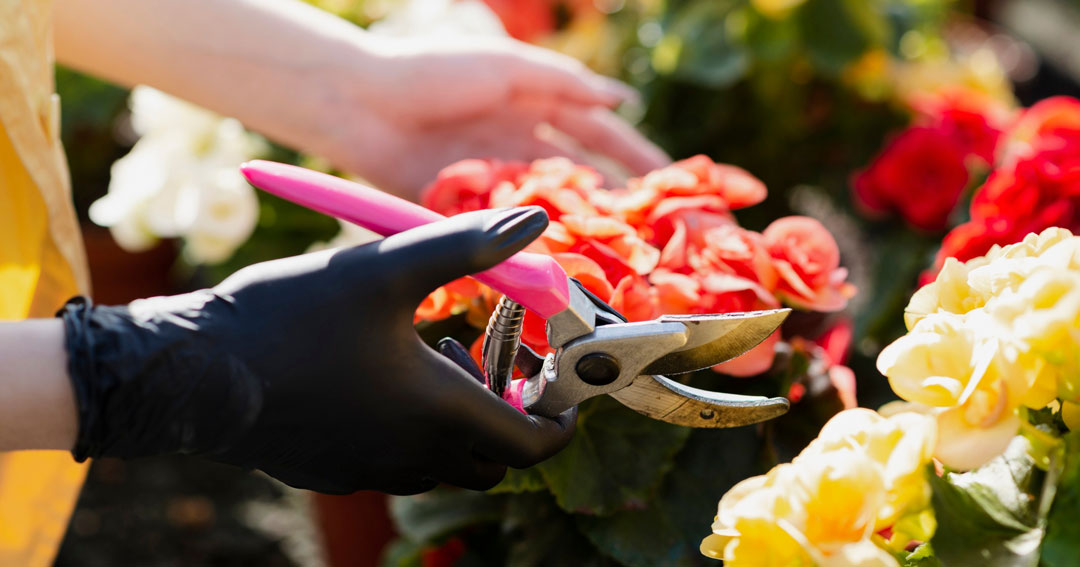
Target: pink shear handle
x=533 y=280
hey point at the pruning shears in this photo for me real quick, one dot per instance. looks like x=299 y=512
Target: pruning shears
x=596 y=350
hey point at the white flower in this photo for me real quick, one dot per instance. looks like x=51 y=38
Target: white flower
x=440 y=17
x=181 y=180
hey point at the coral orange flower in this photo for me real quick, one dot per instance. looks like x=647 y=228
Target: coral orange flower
x=666 y=243
x=466 y=185
x=808 y=261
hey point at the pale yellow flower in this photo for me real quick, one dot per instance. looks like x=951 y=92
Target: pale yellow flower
x=961 y=287
x=1070 y=413
x=1043 y=310
x=935 y=363
x=965 y=444
x=753 y=525
x=864 y=473
x=902 y=444
x=949 y=293
x=841 y=492
x=762 y=543
x=975 y=372
x=1043 y=314
x=860 y=554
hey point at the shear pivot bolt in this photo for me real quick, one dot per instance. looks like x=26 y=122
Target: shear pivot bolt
x=598 y=369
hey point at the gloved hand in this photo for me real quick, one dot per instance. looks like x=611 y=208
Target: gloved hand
x=309 y=369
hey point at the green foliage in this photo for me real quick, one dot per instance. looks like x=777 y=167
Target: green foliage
x=994 y=516
x=538 y=532
x=615 y=461
x=521 y=480
x=698 y=46
x=837 y=32
x=438 y=513
x=627 y=491
x=1061 y=546
x=670 y=530
x=922 y=556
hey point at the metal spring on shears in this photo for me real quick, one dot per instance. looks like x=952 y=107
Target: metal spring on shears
x=501 y=342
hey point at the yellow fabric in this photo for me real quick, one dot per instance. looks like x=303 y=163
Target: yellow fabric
x=41 y=265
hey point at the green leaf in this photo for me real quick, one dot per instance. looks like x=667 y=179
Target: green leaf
x=670 y=530
x=769 y=39
x=639 y=538
x=992 y=516
x=523 y=480
x=923 y=556
x=836 y=32
x=615 y=460
x=542 y=534
x=431 y=515
x=402 y=553
x=1061 y=547
x=699 y=45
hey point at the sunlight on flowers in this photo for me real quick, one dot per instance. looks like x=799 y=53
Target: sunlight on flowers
x=989 y=336
x=863 y=476
x=666 y=242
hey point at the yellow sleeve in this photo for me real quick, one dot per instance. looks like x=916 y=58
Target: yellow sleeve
x=41 y=265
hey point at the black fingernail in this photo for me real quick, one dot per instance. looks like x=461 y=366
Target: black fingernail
x=514 y=225
x=459 y=355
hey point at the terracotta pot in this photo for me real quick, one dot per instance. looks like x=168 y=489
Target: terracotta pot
x=356 y=528
x=119 y=276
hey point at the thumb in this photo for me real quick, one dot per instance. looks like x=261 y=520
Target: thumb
x=426 y=257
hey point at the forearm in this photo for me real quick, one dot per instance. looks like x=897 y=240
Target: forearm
x=37 y=404
x=255 y=60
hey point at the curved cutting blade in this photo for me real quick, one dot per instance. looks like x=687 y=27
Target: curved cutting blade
x=716 y=338
x=661 y=398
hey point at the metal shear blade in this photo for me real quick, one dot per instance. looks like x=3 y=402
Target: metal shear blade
x=716 y=338
x=662 y=398
x=712 y=339
x=625 y=359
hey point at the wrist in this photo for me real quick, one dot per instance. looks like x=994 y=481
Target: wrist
x=349 y=102
x=37 y=405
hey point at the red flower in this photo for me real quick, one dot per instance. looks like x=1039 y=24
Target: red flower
x=466 y=185
x=974 y=120
x=1038 y=185
x=445 y=555
x=836 y=345
x=921 y=174
x=532 y=20
x=1052 y=123
x=527 y=20
x=808 y=261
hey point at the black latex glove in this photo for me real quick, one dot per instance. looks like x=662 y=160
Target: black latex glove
x=309 y=369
